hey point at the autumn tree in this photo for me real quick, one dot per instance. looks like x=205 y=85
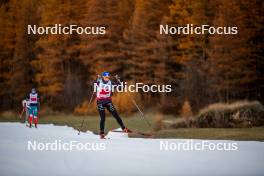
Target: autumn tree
x=103 y=52
x=61 y=75
x=201 y=68
x=189 y=51
x=17 y=49
x=230 y=67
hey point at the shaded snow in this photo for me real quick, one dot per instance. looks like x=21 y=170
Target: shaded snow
x=123 y=156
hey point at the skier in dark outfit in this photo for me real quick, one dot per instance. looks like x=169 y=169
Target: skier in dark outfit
x=104 y=100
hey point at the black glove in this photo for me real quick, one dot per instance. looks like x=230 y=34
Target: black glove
x=117 y=77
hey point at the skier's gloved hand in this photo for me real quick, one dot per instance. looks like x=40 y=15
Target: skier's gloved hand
x=117 y=78
x=99 y=77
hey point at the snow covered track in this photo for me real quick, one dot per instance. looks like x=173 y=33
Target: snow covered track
x=122 y=155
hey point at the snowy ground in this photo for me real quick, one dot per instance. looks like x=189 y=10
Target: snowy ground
x=122 y=156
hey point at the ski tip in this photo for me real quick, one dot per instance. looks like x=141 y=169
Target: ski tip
x=105 y=138
x=134 y=134
x=141 y=135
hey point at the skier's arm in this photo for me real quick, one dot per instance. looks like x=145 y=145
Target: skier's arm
x=96 y=82
x=117 y=81
x=27 y=103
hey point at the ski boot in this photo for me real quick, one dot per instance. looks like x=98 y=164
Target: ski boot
x=35 y=122
x=126 y=130
x=102 y=135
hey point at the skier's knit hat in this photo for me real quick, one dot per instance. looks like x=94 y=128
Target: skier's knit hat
x=106 y=73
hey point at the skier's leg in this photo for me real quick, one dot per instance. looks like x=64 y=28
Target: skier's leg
x=27 y=116
x=101 y=111
x=36 y=116
x=35 y=121
x=110 y=107
x=30 y=118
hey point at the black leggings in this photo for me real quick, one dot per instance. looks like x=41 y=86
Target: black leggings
x=110 y=107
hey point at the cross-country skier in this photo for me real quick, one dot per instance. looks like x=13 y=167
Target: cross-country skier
x=26 y=107
x=34 y=107
x=104 y=100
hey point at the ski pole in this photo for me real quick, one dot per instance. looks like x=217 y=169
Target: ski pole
x=135 y=103
x=141 y=113
x=84 y=116
x=21 y=114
